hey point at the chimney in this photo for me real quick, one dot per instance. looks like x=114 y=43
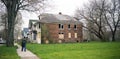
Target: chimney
x=60 y=13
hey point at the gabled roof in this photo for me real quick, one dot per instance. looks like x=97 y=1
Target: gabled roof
x=57 y=18
x=31 y=22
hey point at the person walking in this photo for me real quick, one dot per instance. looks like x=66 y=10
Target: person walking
x=23 y=44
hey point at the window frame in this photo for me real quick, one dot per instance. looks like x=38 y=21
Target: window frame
x=69 y=27
x=61 y=26
x=75 y=27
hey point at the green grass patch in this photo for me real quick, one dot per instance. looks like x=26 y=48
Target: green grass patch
x=91 y=50
x=8 y=53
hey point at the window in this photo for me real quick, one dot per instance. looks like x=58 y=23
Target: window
x=69 y=35
x=75 y=27
x=61 y=26
x=39 y=25
x=69 y=26
x=61 y=35
x=75 y=35
x=34 y=25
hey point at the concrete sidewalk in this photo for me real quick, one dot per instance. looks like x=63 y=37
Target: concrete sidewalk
x=25 y=55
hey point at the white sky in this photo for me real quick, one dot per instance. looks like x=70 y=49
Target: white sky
x=67 y=7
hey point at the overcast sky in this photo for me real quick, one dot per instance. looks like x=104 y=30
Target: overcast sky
x=67 y=7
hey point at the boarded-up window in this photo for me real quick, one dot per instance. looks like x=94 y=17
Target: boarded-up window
x=61 y=35
x=69 y=35
x=75 y=35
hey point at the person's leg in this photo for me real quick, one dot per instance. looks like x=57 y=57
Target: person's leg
x=22 y=49
x=25 y=49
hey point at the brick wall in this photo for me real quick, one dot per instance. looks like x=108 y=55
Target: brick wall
x=54 y=32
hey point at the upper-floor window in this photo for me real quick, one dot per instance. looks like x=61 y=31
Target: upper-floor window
x=61 y=26
x=69 y=26
x=34 y=27
x=75 y=26
x=39 y=25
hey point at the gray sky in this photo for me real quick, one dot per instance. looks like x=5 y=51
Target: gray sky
x=67 y=7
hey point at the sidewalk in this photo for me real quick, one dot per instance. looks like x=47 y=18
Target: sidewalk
x=25 y=55
x=1 y=44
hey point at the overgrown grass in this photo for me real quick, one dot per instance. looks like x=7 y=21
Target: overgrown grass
x=8 y=53
x=99 y=50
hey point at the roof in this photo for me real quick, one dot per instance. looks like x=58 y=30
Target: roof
x=58 y=18
x=31 y=22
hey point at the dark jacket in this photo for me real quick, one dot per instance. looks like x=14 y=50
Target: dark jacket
x=23 y=43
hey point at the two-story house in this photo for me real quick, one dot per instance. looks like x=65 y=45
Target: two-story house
x=59 y=28
x=34 y=31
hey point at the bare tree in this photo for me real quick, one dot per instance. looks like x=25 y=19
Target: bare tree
x=102 y=15
x=12 y=8
x=18 y=23
x=18 y=28
x=4 y=24
x=2 y=14
x=112 y=17
x=93 y=14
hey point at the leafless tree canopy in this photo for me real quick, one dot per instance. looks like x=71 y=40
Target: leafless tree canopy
x=12 y=8
x=29 y=5
x=101 y=15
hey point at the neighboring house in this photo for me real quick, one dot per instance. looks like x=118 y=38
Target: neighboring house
x=25 y=32
x=34 y=31
x=58 y=28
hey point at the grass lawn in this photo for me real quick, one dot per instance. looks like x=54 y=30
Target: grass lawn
x=8 y=53
x=91 y=50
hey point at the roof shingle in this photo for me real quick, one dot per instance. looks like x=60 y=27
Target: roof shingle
x=57 y=18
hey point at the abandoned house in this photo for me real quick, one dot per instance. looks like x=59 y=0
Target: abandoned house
x=58 y=28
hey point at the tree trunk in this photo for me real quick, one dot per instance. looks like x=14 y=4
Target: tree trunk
x=11 y=20
x=10 y=38
x=102 y=38
x=113 y=36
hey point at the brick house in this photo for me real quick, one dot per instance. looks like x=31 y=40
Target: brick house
x=60 y=28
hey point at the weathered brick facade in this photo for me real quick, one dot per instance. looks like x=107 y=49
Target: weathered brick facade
x=54 y=32
x=61 y=28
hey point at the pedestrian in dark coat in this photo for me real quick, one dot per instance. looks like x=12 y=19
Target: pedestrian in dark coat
x=23 y=44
